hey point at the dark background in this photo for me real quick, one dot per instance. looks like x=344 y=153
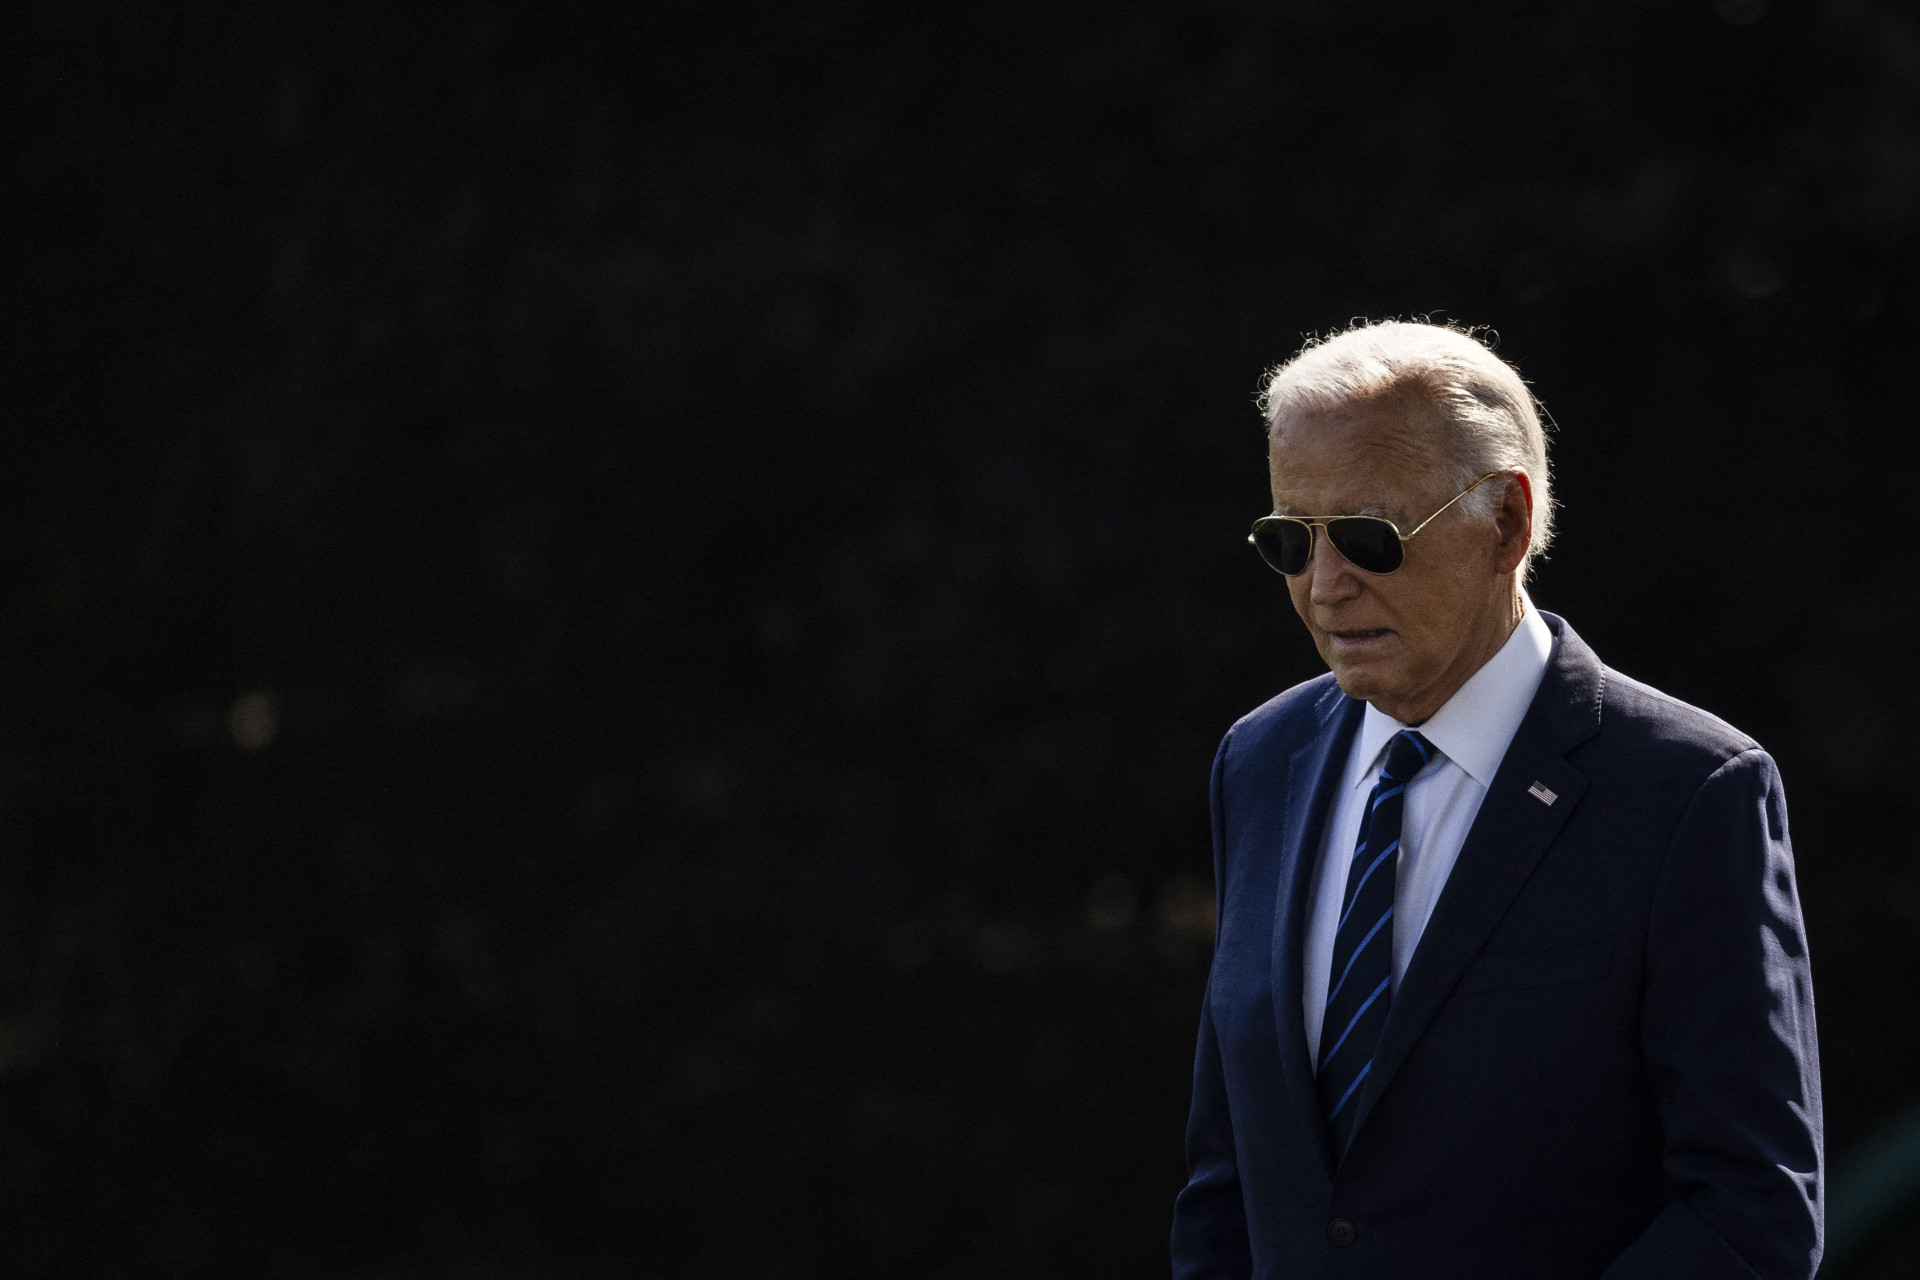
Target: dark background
x=615 y=619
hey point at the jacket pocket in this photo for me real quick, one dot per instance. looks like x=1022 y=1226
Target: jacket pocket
x=1550 y=966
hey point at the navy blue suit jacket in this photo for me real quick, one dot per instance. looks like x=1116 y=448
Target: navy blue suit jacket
x=1601 y=1059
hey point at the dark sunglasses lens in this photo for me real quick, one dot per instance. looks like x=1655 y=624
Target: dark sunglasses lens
x=1367 y=543
x=1283 y=544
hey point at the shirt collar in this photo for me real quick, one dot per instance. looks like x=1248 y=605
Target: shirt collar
x=1474 y=727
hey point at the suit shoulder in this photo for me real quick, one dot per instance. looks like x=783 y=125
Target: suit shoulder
x=1288 y=717
x=1666 y=728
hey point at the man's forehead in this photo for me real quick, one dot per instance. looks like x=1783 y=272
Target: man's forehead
x=1372 y=460
x=1391 y=488
x=1382 y=500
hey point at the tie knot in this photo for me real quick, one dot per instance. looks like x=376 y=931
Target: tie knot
x=1407 y=755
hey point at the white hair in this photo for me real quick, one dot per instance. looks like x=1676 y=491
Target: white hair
x=1492 y=419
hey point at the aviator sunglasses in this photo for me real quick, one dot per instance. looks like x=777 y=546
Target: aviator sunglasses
x=1369 y=543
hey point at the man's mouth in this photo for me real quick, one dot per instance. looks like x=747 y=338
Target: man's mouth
x=1360 y=636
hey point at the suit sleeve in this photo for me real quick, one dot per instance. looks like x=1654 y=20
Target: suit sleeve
x=1728 y=1036
x=1209 y=1218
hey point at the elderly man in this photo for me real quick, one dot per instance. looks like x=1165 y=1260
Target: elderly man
x=1510 y=978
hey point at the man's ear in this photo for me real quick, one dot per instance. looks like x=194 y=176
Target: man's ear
x=1514 y=519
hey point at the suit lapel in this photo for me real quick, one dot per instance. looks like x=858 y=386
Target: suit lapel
x=1509 y=836
x=1312 y=773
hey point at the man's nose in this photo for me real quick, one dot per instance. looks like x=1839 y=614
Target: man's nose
x=1331 y=577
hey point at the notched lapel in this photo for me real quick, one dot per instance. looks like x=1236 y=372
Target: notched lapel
x=1312 y=773
x=1507 y=841
x=1512 y=833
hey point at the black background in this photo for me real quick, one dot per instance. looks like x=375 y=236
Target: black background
x=616 y=618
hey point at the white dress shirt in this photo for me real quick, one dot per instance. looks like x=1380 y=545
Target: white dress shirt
x=1471 y=732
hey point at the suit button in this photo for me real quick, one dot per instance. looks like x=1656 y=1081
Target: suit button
x=1340 y=1233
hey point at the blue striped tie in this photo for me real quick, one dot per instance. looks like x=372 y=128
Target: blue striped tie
x=1358 y=988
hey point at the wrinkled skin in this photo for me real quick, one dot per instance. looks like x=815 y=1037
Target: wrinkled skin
x=1403 y=641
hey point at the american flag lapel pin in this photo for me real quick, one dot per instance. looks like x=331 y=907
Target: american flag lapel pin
x=1540 y=792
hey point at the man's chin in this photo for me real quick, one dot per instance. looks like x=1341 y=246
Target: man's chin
x=1363 y=680
x=1356 y=686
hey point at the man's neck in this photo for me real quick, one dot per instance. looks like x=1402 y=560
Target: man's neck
x=1497 y=628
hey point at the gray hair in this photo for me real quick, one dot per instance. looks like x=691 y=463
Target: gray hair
x=1492 y=418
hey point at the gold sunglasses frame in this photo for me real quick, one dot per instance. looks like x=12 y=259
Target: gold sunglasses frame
x=1321 y=522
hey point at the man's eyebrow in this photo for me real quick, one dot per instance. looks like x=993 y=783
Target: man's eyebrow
x=1379 y=513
